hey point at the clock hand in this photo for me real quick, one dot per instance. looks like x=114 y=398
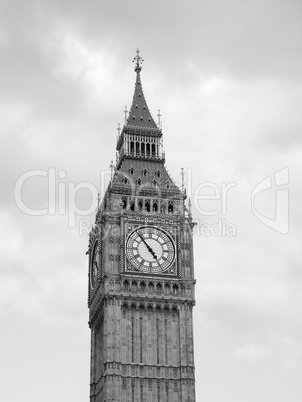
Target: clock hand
x=147 y=245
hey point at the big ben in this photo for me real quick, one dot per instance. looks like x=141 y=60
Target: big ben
x=141 y=273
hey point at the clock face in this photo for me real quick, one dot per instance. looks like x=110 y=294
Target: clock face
x=94 y=266
x=150 y=249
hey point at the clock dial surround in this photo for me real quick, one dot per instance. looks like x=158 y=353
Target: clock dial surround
x=150 y=249
x=94 y=266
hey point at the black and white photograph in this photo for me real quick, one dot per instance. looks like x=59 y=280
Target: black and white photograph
x=150 y=209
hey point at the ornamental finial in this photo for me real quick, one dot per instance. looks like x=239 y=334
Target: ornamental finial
x=126 y=114
x=158 y=121
x=138 y=62
x=182 y=178
x=111 y=168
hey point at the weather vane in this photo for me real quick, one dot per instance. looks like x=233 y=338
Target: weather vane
x=138 y=62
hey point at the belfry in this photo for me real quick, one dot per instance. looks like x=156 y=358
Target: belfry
x=141 y=273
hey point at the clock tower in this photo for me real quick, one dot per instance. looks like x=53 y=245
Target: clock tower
x=141 y=274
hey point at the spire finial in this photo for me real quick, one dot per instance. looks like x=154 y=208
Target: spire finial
x=182 y=178
x=138 y=62
x=159 y=121
x=111 y=168
x=126 y=114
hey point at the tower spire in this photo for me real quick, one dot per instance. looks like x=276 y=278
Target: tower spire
x=139 y=115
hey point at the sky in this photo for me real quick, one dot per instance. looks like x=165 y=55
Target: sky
x=226 y=76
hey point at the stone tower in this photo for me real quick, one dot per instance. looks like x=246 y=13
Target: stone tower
x=141 y=276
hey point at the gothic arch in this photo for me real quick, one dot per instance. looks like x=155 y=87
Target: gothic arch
x=147 y=205
x=150 y=287
x=167 y=289
x=155 y=206
x=159 y=288
x=175 y=289
x=170 y=207
x=143 y=287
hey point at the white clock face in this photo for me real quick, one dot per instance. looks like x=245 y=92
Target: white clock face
x=150 y=249
x=94 y=267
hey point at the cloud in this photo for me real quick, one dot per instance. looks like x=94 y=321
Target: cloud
x=285 y=352
x=252 y=352
x=227 y=78
x=291 y=353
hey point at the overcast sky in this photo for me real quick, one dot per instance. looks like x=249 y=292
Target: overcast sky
x=226 y=76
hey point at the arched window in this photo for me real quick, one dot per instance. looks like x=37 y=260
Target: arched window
x=132 y=205
x=162 y=207
x=124 y=202
x=150 y=287
x=145 y=172
x=157 y=174
x=148 y=149
x=131 y=170
x=125 y=180
x=139 y=182
x=170 y=207
x=147 y=205
x=155 y=206
x=143 y=287
x=168 y=184
x=137 y=147
x=175 y=289
x=167 y=289
x=134 y=286
x=132 y=147
x=140 y=205
x=143 y=148
x=154 y=183
x=159 y=288
x=153 y=149
x=126 y=286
